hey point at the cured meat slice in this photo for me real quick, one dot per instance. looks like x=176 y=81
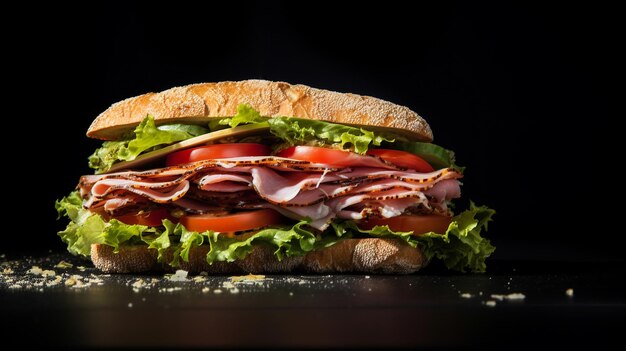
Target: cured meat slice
x=225 y=182
x=445 y=190
x=277 y=188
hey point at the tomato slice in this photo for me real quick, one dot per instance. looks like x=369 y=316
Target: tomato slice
x=315 y=154
x=402 y=159
x=331 y=157
x=233 y=222
x=418 y=224
x=152 y=218
x=210 y=152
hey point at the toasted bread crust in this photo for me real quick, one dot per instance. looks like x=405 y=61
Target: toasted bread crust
x=198 y=103
x=370 y=255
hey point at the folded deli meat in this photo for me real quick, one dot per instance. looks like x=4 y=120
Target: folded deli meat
x=254 y=175
x=296 y=190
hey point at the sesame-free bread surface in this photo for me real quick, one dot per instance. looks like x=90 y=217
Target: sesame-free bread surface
x=368 y=255
x=198 y=103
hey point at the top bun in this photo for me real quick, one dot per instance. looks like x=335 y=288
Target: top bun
x=198 y=103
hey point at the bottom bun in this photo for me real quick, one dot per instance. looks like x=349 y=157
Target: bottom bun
x=371 y=255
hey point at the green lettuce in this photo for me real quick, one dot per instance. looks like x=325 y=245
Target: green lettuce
x=86 y=228
x=461 y=248
x=147 y=137
x=287 y=241
x=296 y=131
x=437 y=156
x=245 y=115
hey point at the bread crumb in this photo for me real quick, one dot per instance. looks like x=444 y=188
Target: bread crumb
x=199 y=279
x=515 y=296
x=290 y=293
x=63 y=265
x=512 y=296
x=497 y=297
x=81 y=268
x=7 y=271
x=56 y=281
x=138 y=284
x=217 y=291
x=70 y=282
x=80 y=284
x=490 y=303
x=234 y=291
x=48 y=273
x=569 y=292
x=467 y=295
x=130 y=305
x=205 y=290
x=35 y=270
x=96 y=280
x=179 y=276
x=248 y=278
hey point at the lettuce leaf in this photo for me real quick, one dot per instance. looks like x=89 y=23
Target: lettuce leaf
x=147 y=137
x=297 y=131
x=293 y=241
x=88 y=228
x=245 y=115
x=437 y=156
x=461 y=248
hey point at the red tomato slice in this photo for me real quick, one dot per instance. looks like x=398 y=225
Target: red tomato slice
x=231 y=223
x=315 y=154
x=402 y=159
x=418 y=224
x=210 y=152
x=331 y=157
x=152 y=218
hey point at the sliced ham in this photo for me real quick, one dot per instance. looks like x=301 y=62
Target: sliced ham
x=228 y=183
x=220 y=177
x=226 y=187
x=387 y=208
x=278 y=188
x=118 y=204
x=407 y=176
x=156 y=195
x=297 y=189
x=445 y=190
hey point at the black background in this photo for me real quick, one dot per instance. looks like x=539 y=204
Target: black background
x=520 y=91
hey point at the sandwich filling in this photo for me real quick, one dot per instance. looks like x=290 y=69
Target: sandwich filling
x=302 y=186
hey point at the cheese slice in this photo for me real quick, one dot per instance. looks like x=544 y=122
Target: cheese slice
x=152 y=156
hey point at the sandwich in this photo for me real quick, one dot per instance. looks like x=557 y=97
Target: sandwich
x=267 y=177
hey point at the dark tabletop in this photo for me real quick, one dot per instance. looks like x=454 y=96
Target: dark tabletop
x=514 y=304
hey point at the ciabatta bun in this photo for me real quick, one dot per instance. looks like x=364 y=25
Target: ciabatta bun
x=198 y=103
x=370 y=255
